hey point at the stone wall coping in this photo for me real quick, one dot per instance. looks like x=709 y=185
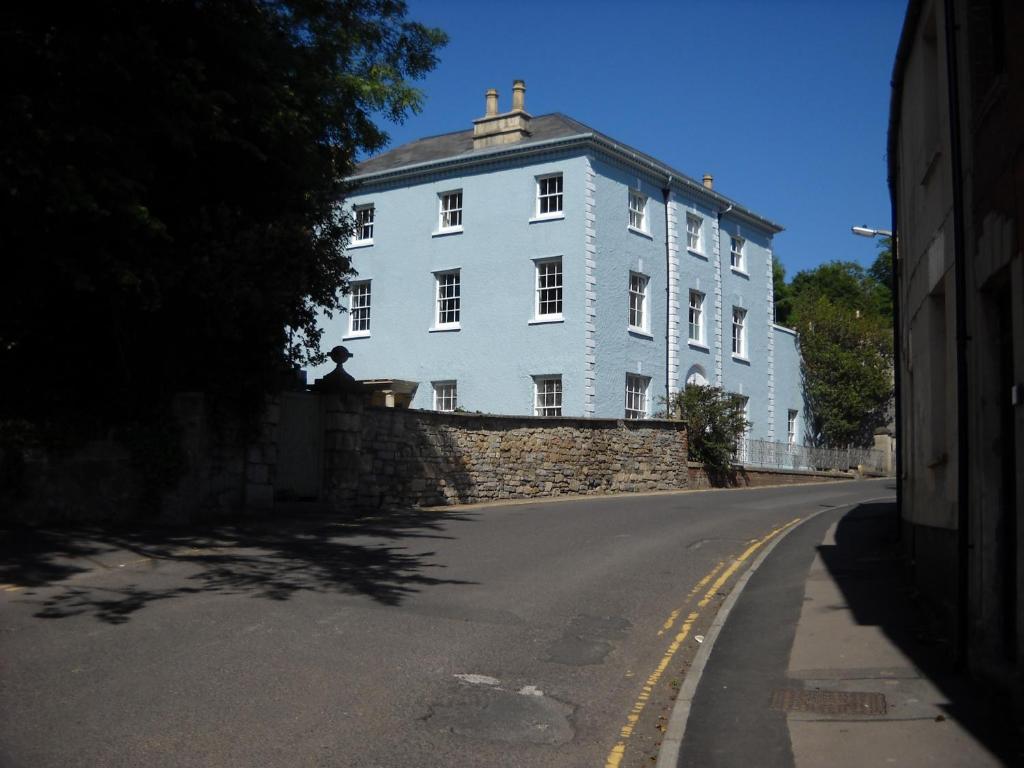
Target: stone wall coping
x=537 y=421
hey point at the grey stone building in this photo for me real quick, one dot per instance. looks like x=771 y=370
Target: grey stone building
x=956 y=168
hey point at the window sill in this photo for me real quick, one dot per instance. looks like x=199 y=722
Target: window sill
x=634 y=331
x=548 y=320
x=698 y=254
x=740 y=272
x=640 y=232
x=741 y=359
x=444 y=232
x=547 y=217
x=356 y=335
x=359 y=244
x=698 y=345
x=444 y=328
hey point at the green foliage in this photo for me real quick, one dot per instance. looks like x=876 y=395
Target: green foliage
x=714 y=420
x=847 y=361
x=782 y=292
x=844 y=315
x=171 y=175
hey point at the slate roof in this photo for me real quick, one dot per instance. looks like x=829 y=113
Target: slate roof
x=447 y=145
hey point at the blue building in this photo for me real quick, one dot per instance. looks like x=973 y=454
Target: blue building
x=535 y=265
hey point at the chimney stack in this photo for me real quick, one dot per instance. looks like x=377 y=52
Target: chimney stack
x=709 y=181
x=518 y=96
x=494 y=128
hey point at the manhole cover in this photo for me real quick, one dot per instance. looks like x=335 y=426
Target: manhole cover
x=829 y=702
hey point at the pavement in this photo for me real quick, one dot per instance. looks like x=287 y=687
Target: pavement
x=825 y=656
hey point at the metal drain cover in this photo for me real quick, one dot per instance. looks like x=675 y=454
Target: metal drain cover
x=829 y=702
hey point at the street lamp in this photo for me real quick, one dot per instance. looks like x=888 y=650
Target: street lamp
x=868 y=232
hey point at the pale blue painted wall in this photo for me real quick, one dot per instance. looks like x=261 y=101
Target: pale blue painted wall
x=620 y=251
x=788 y=392
x=495 y=354
x=697 y=269
x=497 y=351
x=750 y=290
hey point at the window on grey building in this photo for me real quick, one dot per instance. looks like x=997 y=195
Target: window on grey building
x=791 y=427
x=739 y=341
x=693 y=230
x=549 y=195
x=636 y=396
x=638 y=301
x=450 y=217
x=549 y=289
x=449 y=299
x=445 y=396
x=637 y=210
x=364 y=225
x=696 y=317
x=359 y=309
x=736 y=260
x=547 y=396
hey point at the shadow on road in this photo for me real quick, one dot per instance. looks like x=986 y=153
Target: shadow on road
x=868 y=564
x=368 y=556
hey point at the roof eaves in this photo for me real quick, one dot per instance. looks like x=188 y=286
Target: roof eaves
x=598 y=139
x=692 y=185
x=472 y=158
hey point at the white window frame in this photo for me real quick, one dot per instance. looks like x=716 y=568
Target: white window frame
x=448 y=303
x=548 y=290
x=360 y=297
x=791 y=424
x=637 y=387
x=362 y=233
x=739 y=334
x=638 y=302
x=637 y=206
x=547 y=395
x=449 y=211
x=695 y=240
x=695 y=318
x=551 y=199
x=737 y=258
x=446 y=395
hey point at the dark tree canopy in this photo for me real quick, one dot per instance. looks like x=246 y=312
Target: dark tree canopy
x=171 y=174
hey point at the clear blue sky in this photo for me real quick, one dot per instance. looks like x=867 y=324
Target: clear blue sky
x=785 y=102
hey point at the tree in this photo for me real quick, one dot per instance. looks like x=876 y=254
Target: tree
x=715 y=421
x=881 y=272
x=844 y=316
x=782 y=292
x=171 y=176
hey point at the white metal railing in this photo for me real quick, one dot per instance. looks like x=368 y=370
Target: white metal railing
x=763 y=453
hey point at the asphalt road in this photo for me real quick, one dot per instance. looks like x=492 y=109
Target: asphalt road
x=542 y=634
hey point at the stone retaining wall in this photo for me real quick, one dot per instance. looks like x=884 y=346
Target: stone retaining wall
x=383 y=457
x=754 y=477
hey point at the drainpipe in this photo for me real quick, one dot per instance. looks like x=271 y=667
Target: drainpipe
x=666 y=192
x=960 y=281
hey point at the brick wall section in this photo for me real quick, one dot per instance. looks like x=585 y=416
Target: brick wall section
x=383 y=457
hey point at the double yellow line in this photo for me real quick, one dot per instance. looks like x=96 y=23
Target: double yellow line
x=614 y=758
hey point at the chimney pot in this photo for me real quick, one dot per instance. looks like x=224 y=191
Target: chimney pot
x=709 y=181
x=518 y=96
x=492 y=101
